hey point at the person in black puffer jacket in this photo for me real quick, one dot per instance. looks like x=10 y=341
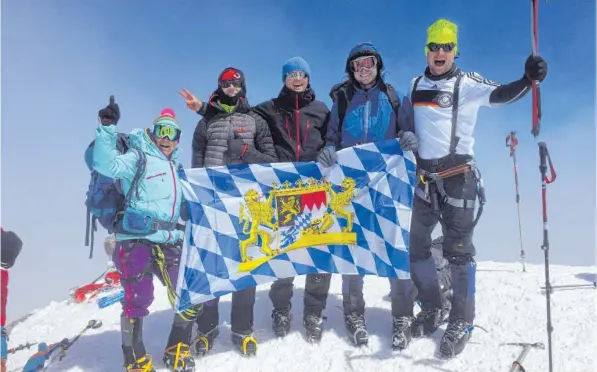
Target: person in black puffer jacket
x=298 y=123
x=230 y=133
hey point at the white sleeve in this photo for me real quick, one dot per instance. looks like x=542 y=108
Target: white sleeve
x=478 y=89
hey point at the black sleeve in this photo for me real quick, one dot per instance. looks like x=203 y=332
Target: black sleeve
x=510 y=92
x=203 y=108
x=199 y=144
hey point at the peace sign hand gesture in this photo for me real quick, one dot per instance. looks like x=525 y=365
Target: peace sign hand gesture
x=110 y=114
x=192 y=102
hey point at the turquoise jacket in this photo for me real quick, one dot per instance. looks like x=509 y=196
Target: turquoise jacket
x=159 y=189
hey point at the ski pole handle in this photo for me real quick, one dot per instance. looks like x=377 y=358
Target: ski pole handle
x=543 y=159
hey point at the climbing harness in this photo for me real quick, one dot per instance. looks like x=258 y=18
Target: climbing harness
x=192 y=312
x=433 y=180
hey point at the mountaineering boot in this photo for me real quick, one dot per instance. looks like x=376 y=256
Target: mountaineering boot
x=178 y=358
x=355 y=324
x=204 y=342
x=313 y=327
x=455 y=338
x=446 y=307
x=401 y=333
x=426 y=322
x=281 y=319
x=246 y=342
x=143 y=364
x=462 y=313
x=132 y=345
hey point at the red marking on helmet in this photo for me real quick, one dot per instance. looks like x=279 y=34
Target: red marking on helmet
x=230 y=74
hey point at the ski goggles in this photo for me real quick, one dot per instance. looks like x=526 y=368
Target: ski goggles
x=296 y=75
x=163 y=131
x=447 y=47
x=226 y=83
x=365 y=62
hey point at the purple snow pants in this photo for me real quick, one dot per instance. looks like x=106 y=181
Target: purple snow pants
x=135 y=263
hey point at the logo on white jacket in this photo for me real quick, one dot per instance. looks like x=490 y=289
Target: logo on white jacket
x=443 y=99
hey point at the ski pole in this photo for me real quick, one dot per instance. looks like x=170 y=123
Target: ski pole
x=536 y=93
x=526 y=348
x=543 y=159
x=571 y=286
x=512 y=142
x=92 y=324
x=21 y=347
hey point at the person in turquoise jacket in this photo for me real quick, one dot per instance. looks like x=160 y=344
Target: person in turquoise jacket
x=148 y=235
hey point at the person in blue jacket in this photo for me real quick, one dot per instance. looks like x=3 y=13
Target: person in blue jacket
x=367 y=109
x=144 y=249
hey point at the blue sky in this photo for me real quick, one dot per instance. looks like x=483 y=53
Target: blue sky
x=62 y=59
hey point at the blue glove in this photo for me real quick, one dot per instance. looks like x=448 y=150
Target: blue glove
x=4 y=346
x=37 y=361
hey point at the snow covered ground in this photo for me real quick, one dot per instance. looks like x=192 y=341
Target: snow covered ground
x=510 y=306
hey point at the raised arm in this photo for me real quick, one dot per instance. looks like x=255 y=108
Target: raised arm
x=106 y=158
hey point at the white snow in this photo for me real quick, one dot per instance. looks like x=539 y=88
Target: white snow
x=510 y=305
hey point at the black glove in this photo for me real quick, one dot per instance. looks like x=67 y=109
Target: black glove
x=110 y=114
x=535 y=68
x=11 y=248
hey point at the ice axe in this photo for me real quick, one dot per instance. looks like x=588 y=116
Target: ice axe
x=526 y=348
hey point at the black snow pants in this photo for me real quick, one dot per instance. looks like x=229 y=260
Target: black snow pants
x=317 y=287
x=401 y=296
x=450 y=202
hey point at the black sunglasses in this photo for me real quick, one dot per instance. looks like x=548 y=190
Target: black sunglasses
x=435 y=47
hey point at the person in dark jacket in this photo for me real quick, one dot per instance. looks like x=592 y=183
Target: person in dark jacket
x=11 y=248
x=230 y=133
x=298 y=123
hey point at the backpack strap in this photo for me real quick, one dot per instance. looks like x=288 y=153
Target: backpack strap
x=393 y=97
x=141 y=164
x=90 y=228
x=415 y=86
x=455 y=98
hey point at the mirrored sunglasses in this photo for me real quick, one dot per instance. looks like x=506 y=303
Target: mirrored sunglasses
x=365 y=62
x=226 y=83
x=162 y=131
x=296 y=75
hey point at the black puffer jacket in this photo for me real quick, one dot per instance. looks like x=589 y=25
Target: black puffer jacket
x=218 y=127
x=298 y=124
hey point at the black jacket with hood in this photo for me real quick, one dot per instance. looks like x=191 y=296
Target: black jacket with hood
x=298 y=124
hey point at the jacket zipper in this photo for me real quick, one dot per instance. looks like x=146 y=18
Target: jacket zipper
x=298 y=128
x=307 y=130
x=156 y=175
x=366 y=118
x=175 y=191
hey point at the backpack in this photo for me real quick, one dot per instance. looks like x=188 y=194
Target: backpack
x=343 y=92
x=105 y=199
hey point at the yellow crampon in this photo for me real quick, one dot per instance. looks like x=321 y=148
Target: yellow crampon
x=205 y=341
x=143 y=364
x=246 y=341
x=189 y=314
x=179 y=355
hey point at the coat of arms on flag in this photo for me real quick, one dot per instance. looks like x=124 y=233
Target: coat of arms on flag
x=295 y=216
x=256 y=223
